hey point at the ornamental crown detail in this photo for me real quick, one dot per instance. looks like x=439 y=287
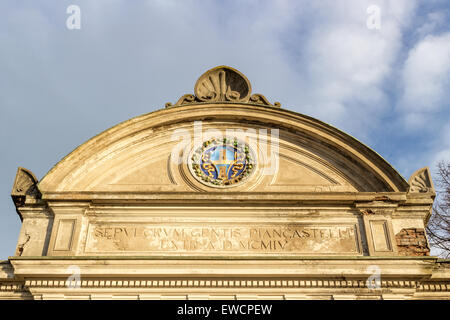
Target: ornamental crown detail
x=223 y=84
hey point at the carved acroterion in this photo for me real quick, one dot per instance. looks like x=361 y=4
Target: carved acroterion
x=223 y=84
x=25 y=184
x=420 y=181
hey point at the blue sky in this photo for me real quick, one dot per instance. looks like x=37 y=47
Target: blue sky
x=387 y=87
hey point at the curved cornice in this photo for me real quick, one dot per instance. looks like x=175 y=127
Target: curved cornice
x=381 y=176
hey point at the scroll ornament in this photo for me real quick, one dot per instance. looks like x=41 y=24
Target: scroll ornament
x=420 y=181
x=223 y=84
x=25 y=184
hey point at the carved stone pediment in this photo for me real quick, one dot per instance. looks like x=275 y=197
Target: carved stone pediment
x=223 y=84
x=225 y=196
x=420 y=182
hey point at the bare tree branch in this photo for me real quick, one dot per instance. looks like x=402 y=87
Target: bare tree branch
x=438 y=228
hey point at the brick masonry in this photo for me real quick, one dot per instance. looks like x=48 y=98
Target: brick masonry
x=412 y=242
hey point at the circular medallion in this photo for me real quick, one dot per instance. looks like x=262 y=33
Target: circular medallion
x=222 y=162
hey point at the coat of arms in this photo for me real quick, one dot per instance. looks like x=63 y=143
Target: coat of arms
x=222 y=162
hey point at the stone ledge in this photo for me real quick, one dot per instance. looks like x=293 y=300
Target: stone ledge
x=248 y=197
x=209 y=257
x=341 y=269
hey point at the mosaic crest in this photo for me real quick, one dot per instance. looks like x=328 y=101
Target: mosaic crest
x=223 y=162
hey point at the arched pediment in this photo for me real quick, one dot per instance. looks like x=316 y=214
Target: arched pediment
x=182 y=149
x=221 y=185
x=137 y=155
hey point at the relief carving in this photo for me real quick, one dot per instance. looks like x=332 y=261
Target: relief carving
x=420 y=181
x=25 y=184
x=223 y=84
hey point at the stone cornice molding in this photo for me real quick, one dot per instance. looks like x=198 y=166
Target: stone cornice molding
x=218 y=198
x=377 y=207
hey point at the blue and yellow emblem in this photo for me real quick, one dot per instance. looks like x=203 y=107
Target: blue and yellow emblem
x=222 y=162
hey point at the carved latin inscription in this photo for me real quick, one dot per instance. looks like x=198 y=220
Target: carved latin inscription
x=222 y=239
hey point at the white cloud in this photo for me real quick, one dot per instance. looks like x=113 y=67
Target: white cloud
x=442 y=145
x=426 y=79
x=434 y=21
x=344 y=66
x=423 y=108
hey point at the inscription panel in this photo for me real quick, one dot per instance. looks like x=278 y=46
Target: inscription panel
x=117 y=238
x=64 y=236
x=380 y=236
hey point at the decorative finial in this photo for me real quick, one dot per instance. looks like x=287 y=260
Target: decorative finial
x=420 y=181
x=223 y=84
x=25 y=185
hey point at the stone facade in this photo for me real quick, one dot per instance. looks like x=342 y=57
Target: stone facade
x=223 y=195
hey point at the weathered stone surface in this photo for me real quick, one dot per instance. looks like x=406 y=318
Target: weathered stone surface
x=222 y=239
x=420 y=182
x=223 y=195
x=25 y=184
